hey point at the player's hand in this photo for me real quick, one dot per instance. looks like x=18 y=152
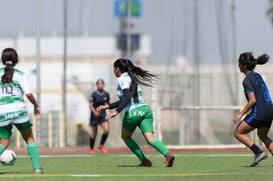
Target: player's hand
x=237 y=118
x=37 y=112
x=112 y=114
x=97 y=113
x=102 y=107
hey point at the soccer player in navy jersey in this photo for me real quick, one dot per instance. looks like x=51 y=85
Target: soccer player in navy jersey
x=98 y=98
x=258 y=110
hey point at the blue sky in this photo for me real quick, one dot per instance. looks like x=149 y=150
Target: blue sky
x=254 y=29
x=169 y=22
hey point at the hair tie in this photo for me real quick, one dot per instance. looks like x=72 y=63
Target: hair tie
x=8 y=62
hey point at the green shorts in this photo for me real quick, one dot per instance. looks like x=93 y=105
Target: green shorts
x=141 y=117
x=5 y=131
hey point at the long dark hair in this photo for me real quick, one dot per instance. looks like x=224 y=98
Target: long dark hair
x=137 y=74
x=9 y=59
x=250 y=62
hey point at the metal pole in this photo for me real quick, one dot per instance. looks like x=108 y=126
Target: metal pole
x=64 y=68
x=128 y=32
x=196 y=53
x=234 y=46
x=197 y=71
x=38 y=67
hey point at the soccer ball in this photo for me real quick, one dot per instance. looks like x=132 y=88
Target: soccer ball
x=8 y=157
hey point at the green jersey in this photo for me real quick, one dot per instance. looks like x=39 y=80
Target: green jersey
x=124 y=82
x=12 y=105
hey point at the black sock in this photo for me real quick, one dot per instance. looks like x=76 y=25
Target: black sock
x=91 y=143
x=256 y=150
x=103 y=138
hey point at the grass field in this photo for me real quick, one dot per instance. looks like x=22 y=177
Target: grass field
x=122 y=167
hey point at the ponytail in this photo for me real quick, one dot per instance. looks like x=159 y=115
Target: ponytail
x=263 y=59
x=10 y=59
x=250 y=62
x=137 y=74
x=8 y=74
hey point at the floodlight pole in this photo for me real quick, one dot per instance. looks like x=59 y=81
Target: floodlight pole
x=234 y=46
x=38 y=67
x=196 y=98
x=64 y=71
x=196 y=54
x=128 y=30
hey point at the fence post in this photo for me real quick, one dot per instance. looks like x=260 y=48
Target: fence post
x=18 y=136
x=62 y=130
x=34 y=126
x=50 y=130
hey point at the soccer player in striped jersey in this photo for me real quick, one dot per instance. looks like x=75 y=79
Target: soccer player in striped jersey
x=258 y=110
x=137 y=112
x=13 y=112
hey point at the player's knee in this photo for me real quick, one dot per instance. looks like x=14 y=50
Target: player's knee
x=236 y=134
x=125 y=137
x=93 y=135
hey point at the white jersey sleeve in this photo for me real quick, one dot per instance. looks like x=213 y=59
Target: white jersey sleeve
x=124 y=82
x=25 y=85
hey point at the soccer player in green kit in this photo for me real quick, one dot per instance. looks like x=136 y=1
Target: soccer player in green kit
x=13 y=87
x=137 y=112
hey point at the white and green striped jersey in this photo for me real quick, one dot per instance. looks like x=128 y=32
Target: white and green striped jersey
x=124 y=82
x=12 y=105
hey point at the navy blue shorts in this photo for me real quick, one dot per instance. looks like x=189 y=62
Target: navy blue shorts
x=256 y=123
x=98 y=121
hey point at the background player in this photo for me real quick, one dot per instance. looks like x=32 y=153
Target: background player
x=137 y=112
x=13 y=111
x=260 y=105
x=98 y=98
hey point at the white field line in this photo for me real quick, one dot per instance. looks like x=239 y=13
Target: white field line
x=125 y=155
x=132 y=175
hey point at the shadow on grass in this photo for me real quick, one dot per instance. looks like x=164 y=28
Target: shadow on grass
x=260 y=166
x=128 y=166
x=9 y=173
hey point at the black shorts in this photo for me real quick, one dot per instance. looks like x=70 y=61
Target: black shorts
x=98 y=121
x=256 y=123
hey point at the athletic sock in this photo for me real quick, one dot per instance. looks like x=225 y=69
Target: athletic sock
x=32 y=149
x=91 y=143
x=2 y=148
x=159 y=146
x=256 y=150
x=103 y=138
x=135 y=149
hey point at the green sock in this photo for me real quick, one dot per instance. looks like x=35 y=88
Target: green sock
x=135 y=148
x=32 y=149
x=2 y=148
x=159 y=146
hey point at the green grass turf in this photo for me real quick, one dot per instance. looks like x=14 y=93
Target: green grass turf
x=203 y=166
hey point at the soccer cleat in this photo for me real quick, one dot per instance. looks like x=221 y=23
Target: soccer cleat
x=258 y=158
x=169 y=160
x=145 y=163
x=38 y=171
x=102 y=149
x=91 y=151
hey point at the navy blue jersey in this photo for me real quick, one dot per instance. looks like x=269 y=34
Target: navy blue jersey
x=98 y=99
x=263 y=108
